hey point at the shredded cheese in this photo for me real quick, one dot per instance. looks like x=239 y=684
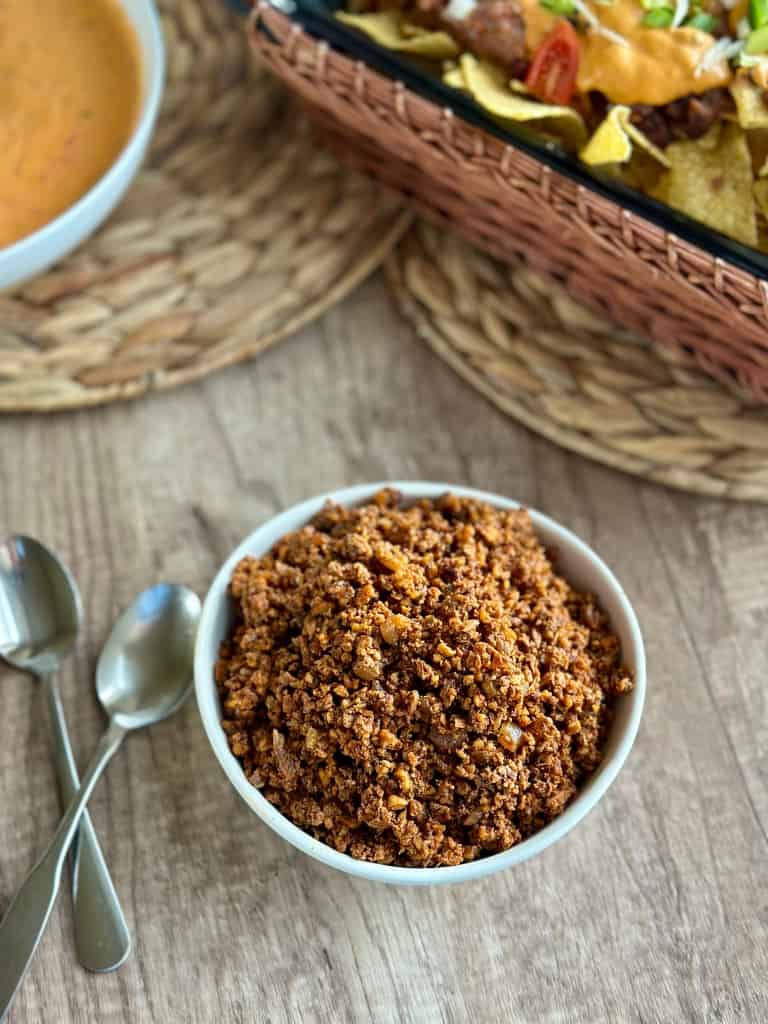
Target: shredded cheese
x=594 y=23
x=458 y=10
x=681 y=13
x=723 y=49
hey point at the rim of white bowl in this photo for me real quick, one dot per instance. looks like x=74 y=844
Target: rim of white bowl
x=145 y=123
x=263 y=539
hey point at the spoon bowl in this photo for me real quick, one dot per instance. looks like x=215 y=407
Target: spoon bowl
x=40 y=607
x=144 y=675
x=144 y=670
x=40 y=616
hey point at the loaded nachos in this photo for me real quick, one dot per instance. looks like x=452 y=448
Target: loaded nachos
x=671 y=96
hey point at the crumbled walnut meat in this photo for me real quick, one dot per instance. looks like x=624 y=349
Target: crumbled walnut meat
x=415 y=685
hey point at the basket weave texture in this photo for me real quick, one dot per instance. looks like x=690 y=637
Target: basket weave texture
x=518 y=209
x=575 y=378
x=239 y=230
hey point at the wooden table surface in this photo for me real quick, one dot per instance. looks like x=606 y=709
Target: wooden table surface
x=654 y=909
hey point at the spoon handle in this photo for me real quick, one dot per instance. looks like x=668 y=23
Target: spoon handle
x=101 y=934
x=26 y=918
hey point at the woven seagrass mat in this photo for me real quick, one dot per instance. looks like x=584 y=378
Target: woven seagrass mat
x=238 y=231
x=575 y=378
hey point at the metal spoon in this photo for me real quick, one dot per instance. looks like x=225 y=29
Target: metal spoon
x=144 y=675
x=40 y=615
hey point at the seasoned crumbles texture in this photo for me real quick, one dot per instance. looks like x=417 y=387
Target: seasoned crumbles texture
x=415 y=685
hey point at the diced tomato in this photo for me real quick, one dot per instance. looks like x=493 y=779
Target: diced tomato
x=552 y=74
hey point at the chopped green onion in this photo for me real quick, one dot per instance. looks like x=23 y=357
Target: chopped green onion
x=758 y=41
x=659 y=17
x=652 y=5
x=758 y=13
x=703 y=21
x=562 y=7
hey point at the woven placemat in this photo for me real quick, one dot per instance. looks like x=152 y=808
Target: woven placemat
x=238 y=231
x=575 y=378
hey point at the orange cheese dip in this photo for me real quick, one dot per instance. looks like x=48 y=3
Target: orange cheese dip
x=70 y=91
x=657 y=66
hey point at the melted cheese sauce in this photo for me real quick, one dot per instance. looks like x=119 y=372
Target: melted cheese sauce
x=736 y=13
x=656 y=67
x=70 y=88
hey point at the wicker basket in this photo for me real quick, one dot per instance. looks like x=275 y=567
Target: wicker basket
x=517 y=208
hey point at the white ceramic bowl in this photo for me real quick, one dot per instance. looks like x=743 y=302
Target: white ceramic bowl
x=38 y=251
x=575 y=561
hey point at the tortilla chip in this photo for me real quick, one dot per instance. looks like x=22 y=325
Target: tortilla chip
x=610 y=143
x=614 y=140
x=757 y=140
x=642 y=172
x=386 y=29
x=643 y=142
x=750 y=109
x=710 y=179
x=490 y=88
x=760 y=192
x=409 y=30
x=454 y=77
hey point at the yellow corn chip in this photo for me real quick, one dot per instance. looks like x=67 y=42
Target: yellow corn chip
x=454 y=77
x=710 y=179
x=750 y=109
x=386 y=29
x=643 y=142
x=610 y=143
x=409 y=30
x=757 y=140
x=760 y=192
x=614 y=140
x=489 y=86
x=642 y=172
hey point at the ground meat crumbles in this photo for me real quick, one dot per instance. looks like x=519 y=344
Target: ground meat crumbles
x=686 y=118
x=416 y=685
